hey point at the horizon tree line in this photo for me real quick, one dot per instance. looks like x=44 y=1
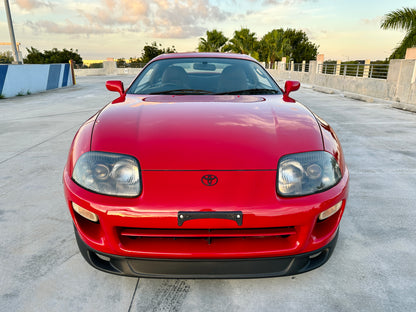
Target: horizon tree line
x=272 y=47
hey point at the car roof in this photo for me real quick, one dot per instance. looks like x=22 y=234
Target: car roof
x=204 y=54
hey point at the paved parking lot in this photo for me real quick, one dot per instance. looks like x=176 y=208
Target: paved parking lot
x=373 y=267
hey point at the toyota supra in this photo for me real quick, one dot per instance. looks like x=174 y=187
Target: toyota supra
x=203 y=167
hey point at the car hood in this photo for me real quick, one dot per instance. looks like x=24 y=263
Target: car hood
x=166 y=132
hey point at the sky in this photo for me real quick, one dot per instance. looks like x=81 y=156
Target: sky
x=98 y=29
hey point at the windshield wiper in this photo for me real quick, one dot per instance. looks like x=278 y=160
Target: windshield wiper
x=184 y=91
x=252 y=91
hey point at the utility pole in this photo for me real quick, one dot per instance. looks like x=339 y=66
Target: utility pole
x=11 y=31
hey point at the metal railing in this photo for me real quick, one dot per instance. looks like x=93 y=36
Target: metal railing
x=298 y=67
x=89 y=66
x=130 y=65
x=378 y=71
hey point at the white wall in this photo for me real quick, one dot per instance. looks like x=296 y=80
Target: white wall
x=400 y=85
x=33 y=78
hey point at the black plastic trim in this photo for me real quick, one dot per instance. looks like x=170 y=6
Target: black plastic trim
x=206 y=268
x=236 y=216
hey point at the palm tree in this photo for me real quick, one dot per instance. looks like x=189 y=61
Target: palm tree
x=244 y=42
x=214 y=42
x=402 y=19
x=273 y=46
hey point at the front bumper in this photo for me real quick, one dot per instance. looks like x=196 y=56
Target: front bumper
x=207 y=268
x=147 y=227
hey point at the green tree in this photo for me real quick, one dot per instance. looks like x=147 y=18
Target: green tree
x=34 y=56
x=213 y=43
x=135 y=63
x=96 y=65
x=298 y=46
x=273 y=46
x=153 y=50
x=244 y=42
x=6 y=57
x=121 y=62
x=404 y=19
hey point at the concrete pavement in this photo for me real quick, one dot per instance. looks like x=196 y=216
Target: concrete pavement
x=372 y=269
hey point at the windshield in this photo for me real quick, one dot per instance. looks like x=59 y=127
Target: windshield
x=204 y=76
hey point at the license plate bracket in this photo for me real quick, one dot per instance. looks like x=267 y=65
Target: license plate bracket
x=236 y=216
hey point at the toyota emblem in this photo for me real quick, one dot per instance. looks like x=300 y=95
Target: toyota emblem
x=209 y=180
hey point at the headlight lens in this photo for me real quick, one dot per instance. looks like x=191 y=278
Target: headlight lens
x=307 y=173
x=109 y=174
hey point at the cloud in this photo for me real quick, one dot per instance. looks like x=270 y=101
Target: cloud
x=285 y=2
x=67 y=27
x=178 y=32
x=112 y=12
x=158 y=18
x=32 y=4
x=163 y=18
x=372 y=21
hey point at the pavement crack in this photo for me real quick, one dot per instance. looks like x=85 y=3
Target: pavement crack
x=70 y=257
x=134 y=294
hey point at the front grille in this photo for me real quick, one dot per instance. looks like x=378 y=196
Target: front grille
x=165 y=242
x=205 y=233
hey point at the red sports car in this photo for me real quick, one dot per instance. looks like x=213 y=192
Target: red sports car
x=203 y=168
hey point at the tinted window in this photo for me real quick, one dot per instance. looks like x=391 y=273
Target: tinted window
x=204 y=76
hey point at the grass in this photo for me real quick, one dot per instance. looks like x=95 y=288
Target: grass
x=22 y=93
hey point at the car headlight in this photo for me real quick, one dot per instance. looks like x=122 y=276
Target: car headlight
x=108 y=173
x=307 y=173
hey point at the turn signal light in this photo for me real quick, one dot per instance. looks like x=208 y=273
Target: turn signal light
x=85 y=213
x=329 y=212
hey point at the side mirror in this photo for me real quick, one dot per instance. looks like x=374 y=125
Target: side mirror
x=115 y=85
x=289 y=87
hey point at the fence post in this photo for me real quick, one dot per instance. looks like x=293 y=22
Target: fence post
x=366 y=69
x=71 y=64
x=280 y=66
x=338 y=68
x=110 y=67
x=400 y=78
x=320 y=62
x=284 y=60
x=410 y=54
